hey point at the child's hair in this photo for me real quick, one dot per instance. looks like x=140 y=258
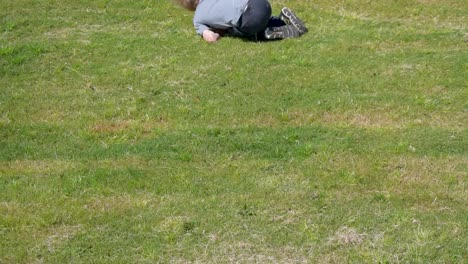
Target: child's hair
x=188 y=4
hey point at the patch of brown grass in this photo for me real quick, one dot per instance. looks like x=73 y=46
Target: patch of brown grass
x=377 y=118
x=371 y=119
x=347 y=236
x=330 y=258
x=123 y=126
x=57 y=236
x=7 y=208
x=37 y=167
x=129 y=161
x=442 y=176
x=120 y=203
x=112 y=127
x=248 y=252
x=428 y=170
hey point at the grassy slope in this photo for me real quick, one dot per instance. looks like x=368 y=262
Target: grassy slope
x=125 y=138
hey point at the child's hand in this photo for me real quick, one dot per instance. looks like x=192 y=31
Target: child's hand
x=210 y=36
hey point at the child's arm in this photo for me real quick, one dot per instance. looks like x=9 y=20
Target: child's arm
x=210 y=36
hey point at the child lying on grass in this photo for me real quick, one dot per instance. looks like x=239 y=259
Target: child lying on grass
x=242 y=18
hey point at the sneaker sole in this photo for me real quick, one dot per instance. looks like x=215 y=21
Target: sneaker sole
x=270 y=34
x=295 y=21
x=283 y=32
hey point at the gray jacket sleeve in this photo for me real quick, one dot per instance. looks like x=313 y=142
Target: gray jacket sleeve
x=199 y=27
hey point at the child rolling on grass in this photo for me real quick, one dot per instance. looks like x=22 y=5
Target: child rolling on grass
x=242 y=18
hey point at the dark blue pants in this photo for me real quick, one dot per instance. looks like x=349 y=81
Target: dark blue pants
x=255 y=17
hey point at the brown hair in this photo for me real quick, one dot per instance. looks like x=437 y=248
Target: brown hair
x=188 y=4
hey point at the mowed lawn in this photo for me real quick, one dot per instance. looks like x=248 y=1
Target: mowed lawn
x=125 y=138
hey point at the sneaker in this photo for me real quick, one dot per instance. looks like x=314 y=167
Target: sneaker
x=291 y=18
x=282 y=32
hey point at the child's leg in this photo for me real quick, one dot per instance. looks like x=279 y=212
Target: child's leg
x=277 y=28
x=275 y=22
x=255 y=17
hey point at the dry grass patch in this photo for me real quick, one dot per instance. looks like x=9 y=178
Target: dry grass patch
x=84 y=31
x=57 y=236
x=112 y=127
x=377 y=118
x=442 y=181
x=174 y=226
x=418 y=20
x=436 y=178
x=298 y=118
x=49 y=116
x=287 y=217
x=129 y=161
x=9 y=208
x=45 y=241
x=428 y=170
x=261 y=120
x=37 y=167
x=121 y=203
x=370 y=119
x=127 y=126
x=60 y=33
x=353 y=165
x=330 y=258
x=287 y=182
x=347 y=236
x=242 y=251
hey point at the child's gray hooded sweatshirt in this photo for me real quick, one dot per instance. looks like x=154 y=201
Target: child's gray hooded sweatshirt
x=219 y=14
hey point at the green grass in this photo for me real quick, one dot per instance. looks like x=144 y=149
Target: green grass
x=125 y=138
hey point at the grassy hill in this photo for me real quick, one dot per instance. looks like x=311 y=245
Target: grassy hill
x=125 y=138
